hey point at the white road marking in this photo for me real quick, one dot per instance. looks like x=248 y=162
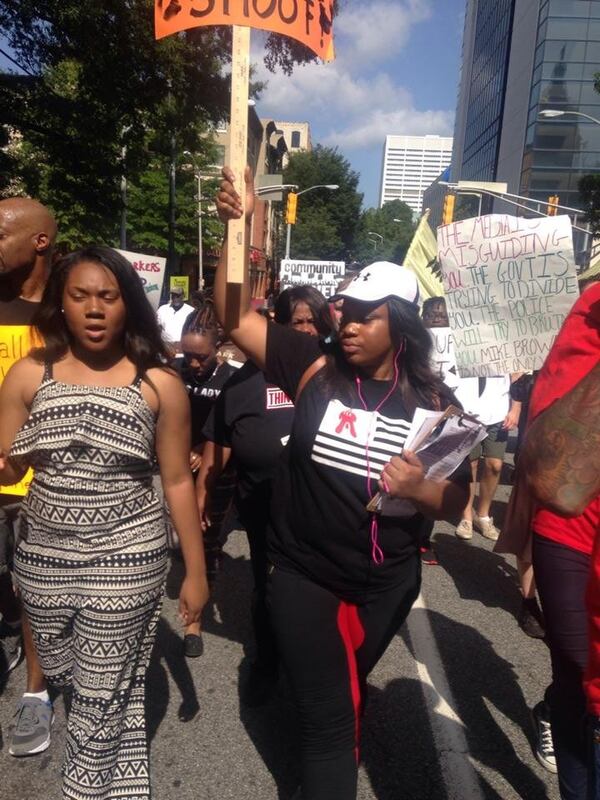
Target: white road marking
x=458 y=771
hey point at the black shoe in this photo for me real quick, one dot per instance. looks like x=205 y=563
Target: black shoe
x=544 y=745
x=193 y=646
x=428 y=556
x=258 y=686
x=531 y=619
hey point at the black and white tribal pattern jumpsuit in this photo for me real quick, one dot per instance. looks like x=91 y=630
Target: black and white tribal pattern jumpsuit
x=90 y=566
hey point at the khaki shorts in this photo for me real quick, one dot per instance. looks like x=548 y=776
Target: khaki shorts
x=493 y=446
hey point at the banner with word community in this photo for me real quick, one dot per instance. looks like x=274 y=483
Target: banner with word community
x=509 y=283
x=307 y=21
x=151 y=270
x=15 y=343
x=323 y=275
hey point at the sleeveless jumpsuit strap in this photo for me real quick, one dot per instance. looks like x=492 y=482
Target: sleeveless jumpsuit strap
x=138 y=380
x=47 y=371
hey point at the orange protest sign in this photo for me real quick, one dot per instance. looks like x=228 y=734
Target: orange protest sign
x=15 y=343
x=307 y=21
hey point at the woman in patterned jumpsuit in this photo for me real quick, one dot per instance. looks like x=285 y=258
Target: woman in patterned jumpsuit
x=89 y=412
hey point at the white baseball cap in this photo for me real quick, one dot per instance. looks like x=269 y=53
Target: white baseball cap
x=381 y=280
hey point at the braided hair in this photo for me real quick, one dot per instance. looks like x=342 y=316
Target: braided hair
x=204 y=322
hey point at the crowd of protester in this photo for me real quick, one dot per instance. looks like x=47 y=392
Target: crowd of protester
x=144 y=430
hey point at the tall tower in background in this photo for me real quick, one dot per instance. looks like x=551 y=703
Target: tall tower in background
x=410 y=165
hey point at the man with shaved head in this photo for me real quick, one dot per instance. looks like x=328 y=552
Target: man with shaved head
x=27 y=234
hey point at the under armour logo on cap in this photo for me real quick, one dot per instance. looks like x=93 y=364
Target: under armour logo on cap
x=380 y=281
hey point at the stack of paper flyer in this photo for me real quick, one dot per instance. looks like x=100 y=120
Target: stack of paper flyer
x=442 y=440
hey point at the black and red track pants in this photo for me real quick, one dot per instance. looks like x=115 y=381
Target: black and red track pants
x=328 y=647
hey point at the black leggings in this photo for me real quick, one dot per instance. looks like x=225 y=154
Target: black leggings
x=328 y=647
x=254 y=516
x=561 y=575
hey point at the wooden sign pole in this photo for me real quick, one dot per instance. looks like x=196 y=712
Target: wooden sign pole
x=238 y=149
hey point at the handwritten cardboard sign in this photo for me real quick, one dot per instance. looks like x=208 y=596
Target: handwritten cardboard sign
x=307 y=21
x=443 y=359
x=15 y=343
x=509 y=283
x=151 y=270
x=323 y=275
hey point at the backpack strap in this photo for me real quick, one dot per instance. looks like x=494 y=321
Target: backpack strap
x=309 y=372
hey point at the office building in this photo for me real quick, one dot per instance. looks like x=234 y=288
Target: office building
x=410 y=165
x=296 y=136
x=520 y=58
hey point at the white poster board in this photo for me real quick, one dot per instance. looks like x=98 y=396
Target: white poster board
x=509 y=282
x=151 y=270
x=323 y=275
x=443 y=359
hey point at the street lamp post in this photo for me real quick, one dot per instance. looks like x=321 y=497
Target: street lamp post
x=552 y=113
x=288 y=241
x=199 y=199
x=123 y=232
x=123 y=227
x=378 y=235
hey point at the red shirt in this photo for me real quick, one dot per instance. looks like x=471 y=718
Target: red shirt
x=574 y=353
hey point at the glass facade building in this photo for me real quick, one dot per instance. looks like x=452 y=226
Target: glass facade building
x=488 y=73
x=560 y=150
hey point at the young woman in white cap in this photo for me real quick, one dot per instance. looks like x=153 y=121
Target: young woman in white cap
x=342 y=580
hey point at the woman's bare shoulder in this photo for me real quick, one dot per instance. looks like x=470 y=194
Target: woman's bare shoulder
x=24 y=378
x=26 y=369
x=161 y=384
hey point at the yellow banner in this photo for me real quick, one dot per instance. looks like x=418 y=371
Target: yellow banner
x=15 y=343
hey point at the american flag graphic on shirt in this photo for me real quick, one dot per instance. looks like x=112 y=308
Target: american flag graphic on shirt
x=344 y=434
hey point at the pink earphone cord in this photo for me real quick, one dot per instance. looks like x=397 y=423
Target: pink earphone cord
x=376 y=552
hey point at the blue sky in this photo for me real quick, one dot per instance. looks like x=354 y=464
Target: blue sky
x=396 y=72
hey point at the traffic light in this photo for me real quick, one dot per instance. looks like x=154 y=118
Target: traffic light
x=292 y=205
x=552 y=209
x=448 y=212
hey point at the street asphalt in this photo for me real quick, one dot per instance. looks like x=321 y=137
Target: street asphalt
x=448 y=712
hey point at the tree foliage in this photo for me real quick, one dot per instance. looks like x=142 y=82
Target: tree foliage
x=146 y=230
x=90 y=80
x=384 y=234
x=327 y=220
x=589 y=191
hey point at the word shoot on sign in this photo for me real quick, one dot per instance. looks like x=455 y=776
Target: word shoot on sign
x=509 y=283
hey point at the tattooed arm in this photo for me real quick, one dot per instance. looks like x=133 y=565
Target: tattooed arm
x=561 y=454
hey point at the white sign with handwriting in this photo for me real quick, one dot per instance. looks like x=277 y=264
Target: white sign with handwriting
x=509 y=283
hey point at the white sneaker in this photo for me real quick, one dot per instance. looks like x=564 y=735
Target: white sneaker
x=464 y=529
x=486 y=526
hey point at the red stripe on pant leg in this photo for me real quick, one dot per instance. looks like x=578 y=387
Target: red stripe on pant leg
x=353 y=635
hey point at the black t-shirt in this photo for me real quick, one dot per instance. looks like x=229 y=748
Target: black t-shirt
x=253 y=418
x=320 y=524
x=17 y=311
x=203 y=394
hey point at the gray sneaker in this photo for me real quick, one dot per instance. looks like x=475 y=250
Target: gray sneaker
x=11 y=647
x=30 y=731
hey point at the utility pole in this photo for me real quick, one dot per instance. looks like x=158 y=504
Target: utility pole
x=171 y=256
x=123 y=236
